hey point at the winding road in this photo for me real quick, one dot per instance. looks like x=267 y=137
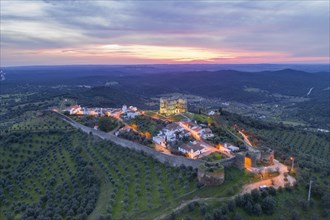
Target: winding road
x=276 y=182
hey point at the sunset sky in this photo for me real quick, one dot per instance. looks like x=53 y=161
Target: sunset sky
x=146 y=31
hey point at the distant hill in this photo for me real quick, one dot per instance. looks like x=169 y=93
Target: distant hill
x=136 y=83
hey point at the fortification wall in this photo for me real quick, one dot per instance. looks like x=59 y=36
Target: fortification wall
x=171 y=160
x=211 y=178
x=229 y=162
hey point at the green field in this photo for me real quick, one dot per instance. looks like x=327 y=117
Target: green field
x=45 y=162
x=50 y=170
x=81 y=175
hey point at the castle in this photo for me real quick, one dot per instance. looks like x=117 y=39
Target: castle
x=171 y=106
x=212 y=173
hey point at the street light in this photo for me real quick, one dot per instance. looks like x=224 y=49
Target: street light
x=292 y=164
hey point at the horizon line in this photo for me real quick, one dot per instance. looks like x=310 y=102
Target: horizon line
x=159 y=64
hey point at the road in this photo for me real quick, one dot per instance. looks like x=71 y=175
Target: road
x=210 y=148
x=246 y=139
x=186 y=203
x=278 y=181
x=172 y=160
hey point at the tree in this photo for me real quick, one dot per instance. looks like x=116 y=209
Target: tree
x=237 y=217
x=105 y=124
x=255 y=193
x=203 y=209
x=257 y=209
x=231 y=205
x=268 y=205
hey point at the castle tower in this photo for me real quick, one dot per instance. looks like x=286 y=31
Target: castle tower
x=171 y=106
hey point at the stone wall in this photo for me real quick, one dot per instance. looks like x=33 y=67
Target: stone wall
x=229 y=162
x=211 y=176
x=267 y=156
x=171 y=160
x=239 y=160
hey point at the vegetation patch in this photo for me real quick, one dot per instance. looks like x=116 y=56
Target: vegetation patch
x=146 y=124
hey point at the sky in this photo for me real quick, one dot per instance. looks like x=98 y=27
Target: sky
x=55 y=32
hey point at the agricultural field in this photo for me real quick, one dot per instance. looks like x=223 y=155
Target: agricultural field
x=310 y=151
x=301 y=144
x=36 y=122
x=103 y=123
x=41 y=169
x=136 y=185
x=17 y=107
x=83 y=176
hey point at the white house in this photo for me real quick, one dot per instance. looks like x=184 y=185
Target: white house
x=132 y=108
x=230 y=147
x=193 y=150
x=92 y=112
x=75 y=110
x=171 y=130
x=131 y=115
x=207 y=133
x=161 y=140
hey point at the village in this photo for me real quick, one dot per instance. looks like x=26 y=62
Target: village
x=182 y=137
x=176 y=133
x=172 y=130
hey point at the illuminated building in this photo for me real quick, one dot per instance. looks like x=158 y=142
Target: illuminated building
x=171 y=106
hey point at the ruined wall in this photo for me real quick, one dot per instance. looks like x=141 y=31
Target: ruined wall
x=239 y=160
x=211 y=178
x=229 y=162
x=255 y=157
x=267 y=156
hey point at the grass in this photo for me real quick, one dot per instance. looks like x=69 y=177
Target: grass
x=38 y=171
x=215 y=156
x=39 y=121
x=160 y=187
x=234 y=180
x=157 y=183
x=288 y=203
x=38 y=149
x=145 y=124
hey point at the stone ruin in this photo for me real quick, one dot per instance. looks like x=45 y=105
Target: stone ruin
x=211 y=174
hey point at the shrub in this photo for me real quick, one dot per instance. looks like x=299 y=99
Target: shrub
x=268 y=205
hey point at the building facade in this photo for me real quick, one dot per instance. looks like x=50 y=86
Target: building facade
x=171 y=106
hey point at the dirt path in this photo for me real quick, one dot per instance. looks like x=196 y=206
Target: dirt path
x=186 y=203
x=278 y=182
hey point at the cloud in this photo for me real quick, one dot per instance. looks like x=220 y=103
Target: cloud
x=296 y=29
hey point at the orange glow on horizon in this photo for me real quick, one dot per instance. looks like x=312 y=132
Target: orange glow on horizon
x=153 y=54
